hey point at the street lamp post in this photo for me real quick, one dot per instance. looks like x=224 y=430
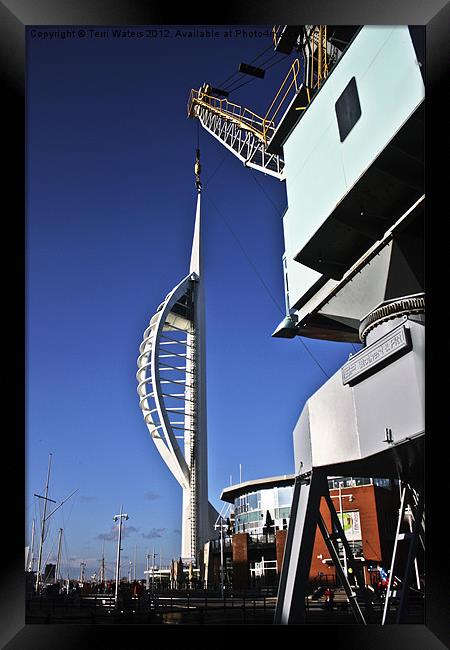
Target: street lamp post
x=342 y=524
x=130 y=564
x=119 y=517
x=221 y=526
x=154 y=555
x=340 y=497
x=153 y=570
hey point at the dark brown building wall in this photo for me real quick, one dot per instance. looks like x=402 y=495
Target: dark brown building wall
x=280 y=543
x=241 y=569
x=376 y=508
x=320 y=548
x=366 y=504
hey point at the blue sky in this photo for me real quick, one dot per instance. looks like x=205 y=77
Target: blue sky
x=110 y=215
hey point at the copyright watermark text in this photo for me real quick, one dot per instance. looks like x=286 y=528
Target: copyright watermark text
x=134 y=33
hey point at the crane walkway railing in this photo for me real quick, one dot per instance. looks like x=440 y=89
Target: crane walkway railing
x=242 y=131
x=291 y=86
x=243 y=117
x=261 y=127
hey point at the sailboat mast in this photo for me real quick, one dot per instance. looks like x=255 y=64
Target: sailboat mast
x=58 y=560
x=31 y=552
x=41 y=542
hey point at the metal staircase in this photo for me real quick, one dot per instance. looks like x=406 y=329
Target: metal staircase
x=331 y=540
x=410 y=532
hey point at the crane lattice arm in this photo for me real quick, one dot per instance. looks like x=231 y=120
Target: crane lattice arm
x=243 y=132
x=248 y=135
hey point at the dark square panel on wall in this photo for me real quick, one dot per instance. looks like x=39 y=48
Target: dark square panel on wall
x=348 y=109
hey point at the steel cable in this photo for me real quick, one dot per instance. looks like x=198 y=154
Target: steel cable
x=222 y=84
x=261 y=279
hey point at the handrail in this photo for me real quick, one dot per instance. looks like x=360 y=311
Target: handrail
x=295 y=71
x=262 y=127
x=246 y=118
x=319 y=39
x=275 y=31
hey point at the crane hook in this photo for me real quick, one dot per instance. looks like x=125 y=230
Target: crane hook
x=197 y=170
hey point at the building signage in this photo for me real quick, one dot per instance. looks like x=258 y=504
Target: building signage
x=351 y=525
x=377 y=355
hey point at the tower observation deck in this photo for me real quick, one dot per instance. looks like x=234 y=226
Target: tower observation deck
x=172 y=396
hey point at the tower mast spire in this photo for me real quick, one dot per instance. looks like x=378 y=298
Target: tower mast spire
x=195 y=266
x=177 y=330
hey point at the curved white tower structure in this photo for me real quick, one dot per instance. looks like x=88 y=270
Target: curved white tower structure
x=172 y=396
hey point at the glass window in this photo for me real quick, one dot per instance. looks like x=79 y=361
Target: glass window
x=253 y=501
x=284 y=496
x=285 y=512
x=254 y=516
x=382 y=482
x=282 y=513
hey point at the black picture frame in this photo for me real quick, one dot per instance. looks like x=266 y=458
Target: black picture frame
x=15 y=16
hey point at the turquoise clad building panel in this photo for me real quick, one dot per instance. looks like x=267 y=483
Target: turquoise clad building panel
x=320 y=168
